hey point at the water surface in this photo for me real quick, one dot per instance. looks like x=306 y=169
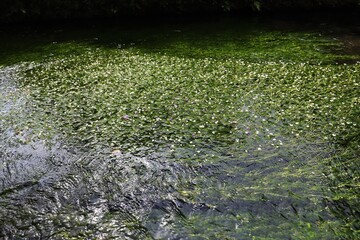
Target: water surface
x=213 y=129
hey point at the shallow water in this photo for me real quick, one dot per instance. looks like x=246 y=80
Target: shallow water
x=221 y=129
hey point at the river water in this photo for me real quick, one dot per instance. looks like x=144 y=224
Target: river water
x=247 y=175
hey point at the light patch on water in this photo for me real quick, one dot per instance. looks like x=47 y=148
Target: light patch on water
x=105 y=190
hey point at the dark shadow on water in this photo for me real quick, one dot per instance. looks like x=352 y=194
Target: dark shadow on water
x=214 y=37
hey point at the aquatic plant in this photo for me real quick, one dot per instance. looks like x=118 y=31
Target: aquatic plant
x=236 y=143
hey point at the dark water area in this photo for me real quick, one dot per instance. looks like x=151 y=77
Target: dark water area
x=216 y=128
x=151 y=34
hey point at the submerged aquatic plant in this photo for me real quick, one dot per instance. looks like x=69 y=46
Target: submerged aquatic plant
x=246 y=142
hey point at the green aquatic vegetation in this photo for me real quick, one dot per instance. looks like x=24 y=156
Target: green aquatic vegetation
x=260 y=45
x=268 y=138
x=171 y=99
x=258 y=112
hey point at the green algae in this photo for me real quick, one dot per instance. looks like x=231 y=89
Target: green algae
x=266 y=122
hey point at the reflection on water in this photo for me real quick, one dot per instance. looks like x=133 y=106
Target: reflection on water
x=49 y=189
